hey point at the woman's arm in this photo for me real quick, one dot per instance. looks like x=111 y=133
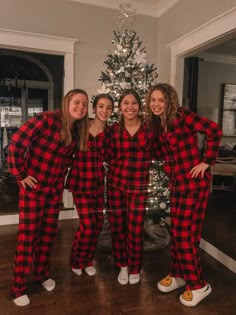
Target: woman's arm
x=20 y=141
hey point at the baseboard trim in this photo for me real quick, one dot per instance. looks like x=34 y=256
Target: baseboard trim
x=226 y=260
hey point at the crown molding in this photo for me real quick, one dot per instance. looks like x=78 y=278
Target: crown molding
x=218 y=58
x=141 y=8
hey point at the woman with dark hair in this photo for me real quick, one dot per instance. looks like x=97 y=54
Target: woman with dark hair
x=86 y=182
x=128 y=154
x=189 y=175
x=39 y=156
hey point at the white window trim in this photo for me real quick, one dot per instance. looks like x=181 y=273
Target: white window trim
x=43 y=44
x=47 y=44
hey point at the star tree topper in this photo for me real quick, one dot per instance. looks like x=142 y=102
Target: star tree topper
x=126 y=16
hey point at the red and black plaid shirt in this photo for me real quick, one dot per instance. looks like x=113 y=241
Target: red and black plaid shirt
x=37 y=150
x=129 y=158
x=181 y=152
x=87 y=172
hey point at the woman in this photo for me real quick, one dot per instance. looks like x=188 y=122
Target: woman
x=39 y=156
x=86 y=181
x=128 y=155
x=176 y=129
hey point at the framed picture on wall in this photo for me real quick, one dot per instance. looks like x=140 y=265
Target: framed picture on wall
x=229 y=110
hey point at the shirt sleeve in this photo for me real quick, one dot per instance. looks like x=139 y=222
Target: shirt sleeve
x=211 y=130
x=21 y=141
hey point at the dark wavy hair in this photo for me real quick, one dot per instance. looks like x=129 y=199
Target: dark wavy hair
x=100 y=96
x=123 y=94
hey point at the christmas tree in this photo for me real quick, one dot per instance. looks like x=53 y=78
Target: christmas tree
x=127 y=67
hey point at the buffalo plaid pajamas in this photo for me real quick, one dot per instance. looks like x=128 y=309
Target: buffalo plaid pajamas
x=189 y=196
x=86 y=181
x=128 y=176
x=36 y=150
x=126 y=217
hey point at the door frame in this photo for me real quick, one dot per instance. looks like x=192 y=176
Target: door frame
x=212 y=33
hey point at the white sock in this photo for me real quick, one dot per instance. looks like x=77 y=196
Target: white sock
x=134 y=278
x=90 y=270
x=123 y=276
x=22 y=300
x=78 y=272
x=49 y=284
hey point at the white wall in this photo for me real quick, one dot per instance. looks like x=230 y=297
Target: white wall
x=211 y=77
x=183 y=18
x=92 y=26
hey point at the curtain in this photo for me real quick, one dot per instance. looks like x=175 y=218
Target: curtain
x=191 y=82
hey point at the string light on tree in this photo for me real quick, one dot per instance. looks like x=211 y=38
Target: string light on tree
x=127 y=66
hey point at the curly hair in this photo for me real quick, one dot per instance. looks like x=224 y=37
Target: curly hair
x=171 y=104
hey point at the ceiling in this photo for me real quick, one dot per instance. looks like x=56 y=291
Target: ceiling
x=153 y=8
x=156 y=8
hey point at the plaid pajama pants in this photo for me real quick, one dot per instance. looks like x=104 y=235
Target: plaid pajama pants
x=187 y=215
x=126 y=212
x=38 y=218
x=90 y=211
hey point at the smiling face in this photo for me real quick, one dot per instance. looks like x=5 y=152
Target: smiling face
x=157 y=103
x=129 y=107
x=103 y=109
x=78 y=106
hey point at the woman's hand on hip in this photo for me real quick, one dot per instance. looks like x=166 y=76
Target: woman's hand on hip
x=199 y=169
x=29 y=181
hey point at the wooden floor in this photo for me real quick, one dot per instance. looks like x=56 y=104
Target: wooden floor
x=219 y=227
x=101 y=294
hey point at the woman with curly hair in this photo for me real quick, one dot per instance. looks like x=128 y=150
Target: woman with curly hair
x=189 y=175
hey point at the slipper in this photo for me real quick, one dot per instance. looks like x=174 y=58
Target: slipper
x=49 y=284
x=169 y=284
x=78 y=272
x=22 y=300
x=193 y=297
x=90 y=270
x=134 y=278
x=123 y=277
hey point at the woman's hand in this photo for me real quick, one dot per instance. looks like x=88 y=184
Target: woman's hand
x=29 y=181
x=199 y=169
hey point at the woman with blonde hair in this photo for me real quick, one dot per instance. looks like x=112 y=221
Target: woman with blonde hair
x=39 y=156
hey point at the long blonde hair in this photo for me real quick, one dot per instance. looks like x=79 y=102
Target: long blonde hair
x=79 y=130
x=171 y=105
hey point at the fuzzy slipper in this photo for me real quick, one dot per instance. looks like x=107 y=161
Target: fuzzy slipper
x=193 y=297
